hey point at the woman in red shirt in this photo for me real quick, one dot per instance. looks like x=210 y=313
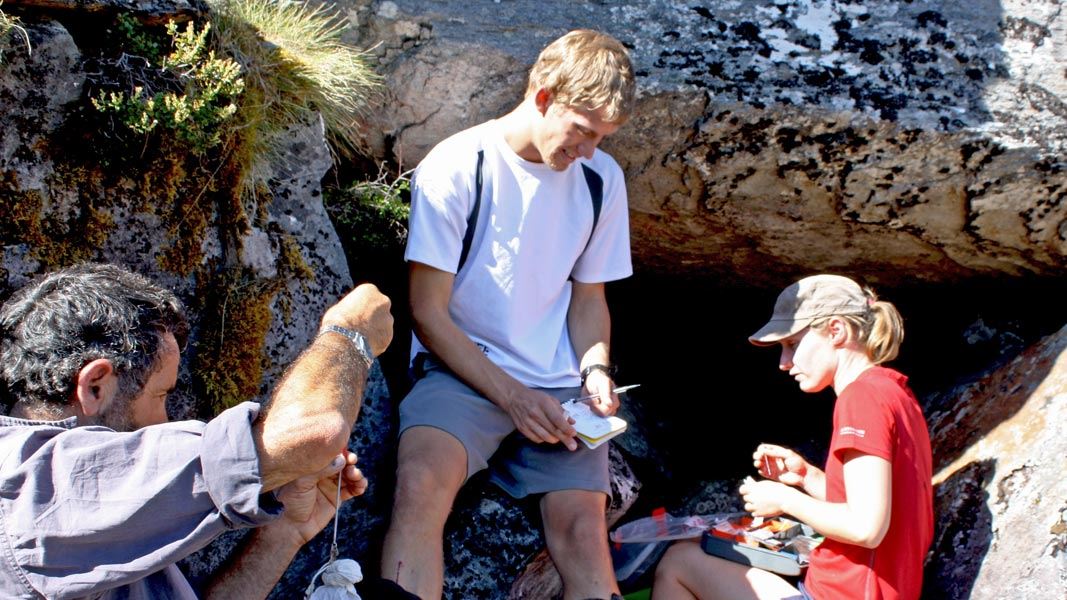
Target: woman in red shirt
x=873 y=501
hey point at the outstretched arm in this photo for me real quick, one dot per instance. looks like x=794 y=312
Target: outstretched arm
x=310 y=415
x=299 y=438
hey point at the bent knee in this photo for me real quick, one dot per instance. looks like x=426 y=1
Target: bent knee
x=681 y=558
x=420 y=479
x=431 y=465
x=577 y=526
x=672 y=563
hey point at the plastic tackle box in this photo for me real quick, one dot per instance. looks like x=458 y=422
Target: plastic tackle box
x=775 y=546
x=775 y=561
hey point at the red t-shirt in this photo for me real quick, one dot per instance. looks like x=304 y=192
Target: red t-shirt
x=877 y=414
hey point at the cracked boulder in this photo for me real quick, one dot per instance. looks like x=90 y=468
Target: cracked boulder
x=906 y=141
x=1000 y=494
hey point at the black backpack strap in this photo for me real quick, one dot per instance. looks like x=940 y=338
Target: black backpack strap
x=472 y=220
x=417 y=370
x=596 y=194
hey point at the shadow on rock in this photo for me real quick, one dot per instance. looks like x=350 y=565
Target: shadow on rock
x=963 y=533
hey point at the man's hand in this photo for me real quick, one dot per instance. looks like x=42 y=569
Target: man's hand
x=310 y=501
x=309 y=506
x=607 y=402
x=540 y=417
x=366 y=310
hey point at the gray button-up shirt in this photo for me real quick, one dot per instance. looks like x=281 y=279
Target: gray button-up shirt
x=86 y=512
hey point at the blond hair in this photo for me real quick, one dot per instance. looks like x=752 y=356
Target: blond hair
x=589 y=70
x=880 y=329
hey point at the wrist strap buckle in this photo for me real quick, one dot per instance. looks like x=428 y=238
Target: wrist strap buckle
x=606 y=369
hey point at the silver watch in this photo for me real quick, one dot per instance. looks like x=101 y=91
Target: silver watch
x=357 y=338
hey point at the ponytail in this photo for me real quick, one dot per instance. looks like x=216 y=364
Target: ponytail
x=886 y=331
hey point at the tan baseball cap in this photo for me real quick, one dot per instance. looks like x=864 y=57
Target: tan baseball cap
x=808 y=300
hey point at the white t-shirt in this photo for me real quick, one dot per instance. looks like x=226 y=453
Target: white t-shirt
x=533 y=235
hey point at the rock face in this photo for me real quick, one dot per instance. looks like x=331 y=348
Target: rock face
x=33 y=91
x=904 y=140
x=41 y=95
x=999 y=448
x=911 y=143
x=150 y=11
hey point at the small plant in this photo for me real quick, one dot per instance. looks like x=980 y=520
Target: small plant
x=217 y=100
x=136 y=39
x=374 y=210
x=9 y=24
x=209 y=87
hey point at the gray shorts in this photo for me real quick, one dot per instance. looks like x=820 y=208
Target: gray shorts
x=517 y=465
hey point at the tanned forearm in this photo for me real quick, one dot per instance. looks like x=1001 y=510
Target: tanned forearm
x=430 y=293
x=589 y=324
x=310 y=416
x=449 y=344
x=815 y=483
x=256 y=567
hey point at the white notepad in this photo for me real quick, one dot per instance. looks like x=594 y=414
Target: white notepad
x=592 y=428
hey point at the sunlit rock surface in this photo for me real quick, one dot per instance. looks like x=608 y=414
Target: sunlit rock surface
x=1000 y=450
x=910 y=141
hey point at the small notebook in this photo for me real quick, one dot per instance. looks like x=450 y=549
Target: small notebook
x=592 y=428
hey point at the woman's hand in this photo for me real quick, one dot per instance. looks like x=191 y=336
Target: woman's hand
x=765 y=498
x=780 y=464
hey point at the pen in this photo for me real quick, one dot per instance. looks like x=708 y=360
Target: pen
x=617 y=390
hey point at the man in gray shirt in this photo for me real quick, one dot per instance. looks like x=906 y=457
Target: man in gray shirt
x=100 y=496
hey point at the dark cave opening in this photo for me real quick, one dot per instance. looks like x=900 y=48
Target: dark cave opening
x=708 y=397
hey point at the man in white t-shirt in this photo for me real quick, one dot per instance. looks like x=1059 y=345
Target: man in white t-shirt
x=516 y=224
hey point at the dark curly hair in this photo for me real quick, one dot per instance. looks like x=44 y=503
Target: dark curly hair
x=61 y=321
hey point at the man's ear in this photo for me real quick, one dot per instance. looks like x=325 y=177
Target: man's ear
x=542 y=100
x=94 y=386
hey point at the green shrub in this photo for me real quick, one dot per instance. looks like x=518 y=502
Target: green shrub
x=135 y=39
x=375 y=213
x=209 y=87
x=216 y=104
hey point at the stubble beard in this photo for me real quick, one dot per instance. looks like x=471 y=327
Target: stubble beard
x=118 y=415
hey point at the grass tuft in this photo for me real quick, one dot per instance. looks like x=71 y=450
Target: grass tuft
x=9 y=24
x=294 y=66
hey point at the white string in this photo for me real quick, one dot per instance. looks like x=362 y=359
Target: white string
x=336 y=514
x=338 y=576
